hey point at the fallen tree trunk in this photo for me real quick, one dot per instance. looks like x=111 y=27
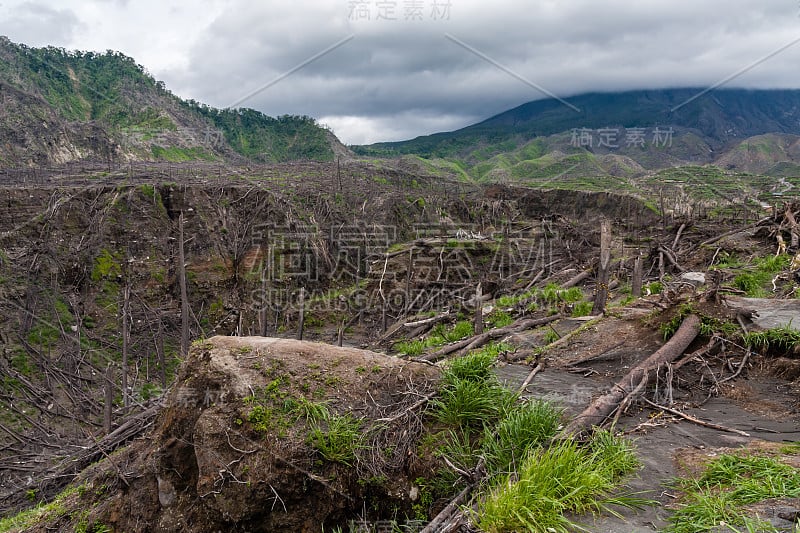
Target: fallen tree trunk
x=601 y=408
x=586 y=274
x=477 y=341
x=727 y=234
x=448 y=513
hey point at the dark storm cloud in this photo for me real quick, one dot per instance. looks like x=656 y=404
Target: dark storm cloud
x=400 y=78
x=401 y=73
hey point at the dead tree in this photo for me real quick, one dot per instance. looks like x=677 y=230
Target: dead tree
x=109 y=399
x=790 y=220
x=603 y=270
x=302 y=311
x=601 y=408
x=636 y=282
x=184 y=295
x=478 y=326
x=262 y=311
x=126 y=301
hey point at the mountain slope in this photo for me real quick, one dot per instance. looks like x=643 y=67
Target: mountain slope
x=61 y=106
x=717 y=117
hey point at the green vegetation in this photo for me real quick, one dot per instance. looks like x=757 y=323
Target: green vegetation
x=754 y=281
x=553 y=294
x=44 y=512
x=106 y=265
x=655 y=287
x=486 y=422
x=499 y=319
x=782 y=340
x=466 y=402
x=552 y=482
x=266 y=139
x=117 y=93
x=89 y=85
x=582 y=309
x=439 y=336
x=461 y=330
x=729 y=484
x=526 y=427
x=411 y=348
x=176 y=154
x=43 y=334
x=335 y=437
x=550 y=336
x=708 y=325
x=272 y=406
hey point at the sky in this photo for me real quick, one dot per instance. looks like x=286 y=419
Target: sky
x=382 y=70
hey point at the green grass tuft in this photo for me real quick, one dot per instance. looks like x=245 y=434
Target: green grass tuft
x=336 y=437
x=582 y=309
x=783 y=339
x=552 y=482
x=728 y=484
x=526 y=427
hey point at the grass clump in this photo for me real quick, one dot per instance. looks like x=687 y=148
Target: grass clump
x=553 y=294
x=655 y=287
x=499 y=319
x=708 y=325
x=336 y=437
x=753 y=281
x=471 y=395
x=475 y=367
x=466 y=403
x=783 y=339
x=728 y=484
x=440 y=335
x=526 y=427
x=41 y=513
x=564 y=478
x=461 y=330
x=410 y=348
x=582 y=309
x=506 y=302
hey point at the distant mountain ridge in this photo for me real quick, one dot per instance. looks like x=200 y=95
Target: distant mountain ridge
x=718 y=117
x=593 y=141
x=62 y=106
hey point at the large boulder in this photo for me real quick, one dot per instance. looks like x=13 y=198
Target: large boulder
x=247 y=441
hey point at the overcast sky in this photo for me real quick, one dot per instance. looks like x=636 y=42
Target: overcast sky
x=395 y=69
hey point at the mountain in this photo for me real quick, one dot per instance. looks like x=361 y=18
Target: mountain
x=63 y=106
x=717 y=117
x=733 y=141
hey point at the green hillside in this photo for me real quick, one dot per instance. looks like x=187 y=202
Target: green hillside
x=65 y=105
